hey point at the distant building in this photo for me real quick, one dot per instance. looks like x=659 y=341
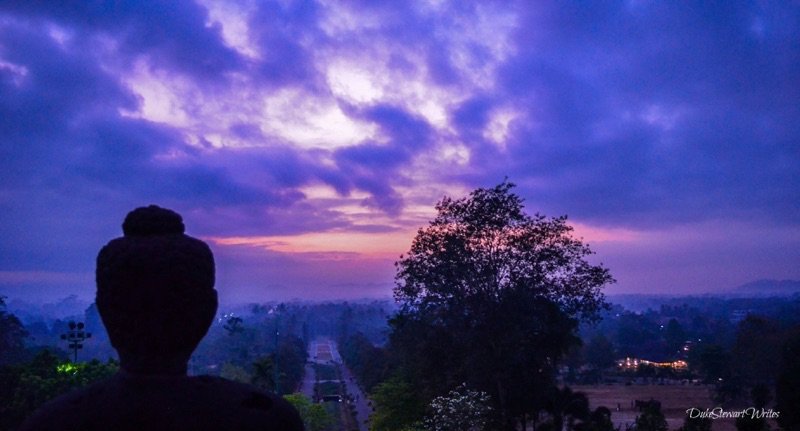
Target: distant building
x=633 y=364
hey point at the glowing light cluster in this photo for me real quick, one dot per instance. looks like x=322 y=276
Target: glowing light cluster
x=633 y=364
x=68 y=368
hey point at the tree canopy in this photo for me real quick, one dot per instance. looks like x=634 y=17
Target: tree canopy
x=12 y=336
x=480 y=246
x=462 y=409
x=492 y=297
x=314 y=415
x=25 y=387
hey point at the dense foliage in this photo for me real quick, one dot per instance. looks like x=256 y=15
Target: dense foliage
x=287 y=364
x=462 y=409
x=564 y=406
x=369 y=363
x=651 y=419
x=696 y=424
x=492 y=296
x=399 y=405
x=786 y=391
x=314 y=415
x=12 y=336
x=480 y=247
x=25 y=387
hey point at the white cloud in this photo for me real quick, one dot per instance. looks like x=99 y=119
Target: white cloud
x=311 y=122
x=232 y=18
x=497 y=128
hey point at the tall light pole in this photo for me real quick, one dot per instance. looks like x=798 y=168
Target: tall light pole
x=277 y=352
x=76 y=336
x=277 y=372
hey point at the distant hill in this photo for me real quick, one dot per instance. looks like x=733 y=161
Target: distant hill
x=763 y=288
x=753 y=289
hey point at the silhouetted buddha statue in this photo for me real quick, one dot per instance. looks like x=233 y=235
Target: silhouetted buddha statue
x=155 y=294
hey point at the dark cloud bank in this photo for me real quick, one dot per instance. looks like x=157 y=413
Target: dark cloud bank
x=631 y=115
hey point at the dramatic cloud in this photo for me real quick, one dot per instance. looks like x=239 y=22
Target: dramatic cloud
x=308 y=140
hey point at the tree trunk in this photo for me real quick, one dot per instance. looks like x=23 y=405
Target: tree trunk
x=506 y=422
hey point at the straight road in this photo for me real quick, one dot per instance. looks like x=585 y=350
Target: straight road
x=325 y=351
x=309 y=378
x=363 y=410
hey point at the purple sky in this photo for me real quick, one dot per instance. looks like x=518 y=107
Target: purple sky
x=307 y=141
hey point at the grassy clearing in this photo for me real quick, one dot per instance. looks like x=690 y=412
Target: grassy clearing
x=675 y=400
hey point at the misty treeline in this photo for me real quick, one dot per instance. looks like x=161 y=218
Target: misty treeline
x=759 y=342
x=658 y=333
x=506 y=305
x=680 y=328
x=747 y=354
x=245 y=343
x=750 y=362
x=496 y=313
x=747 y=360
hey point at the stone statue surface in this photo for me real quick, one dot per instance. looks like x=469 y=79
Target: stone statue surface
x=156 y=297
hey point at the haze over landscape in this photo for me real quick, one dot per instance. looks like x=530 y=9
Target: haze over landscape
x=307 y=142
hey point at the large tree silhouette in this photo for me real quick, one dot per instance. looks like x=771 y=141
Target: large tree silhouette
x=492 y=296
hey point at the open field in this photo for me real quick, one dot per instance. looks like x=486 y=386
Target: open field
x=675 y=399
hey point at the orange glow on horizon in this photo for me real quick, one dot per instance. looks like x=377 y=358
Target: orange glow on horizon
x=376 y=245
x=597 y=234
x=382 y=244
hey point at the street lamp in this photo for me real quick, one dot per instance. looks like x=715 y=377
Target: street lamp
x=76 y=337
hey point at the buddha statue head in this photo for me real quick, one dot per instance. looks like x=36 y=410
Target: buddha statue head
x=155 y=292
